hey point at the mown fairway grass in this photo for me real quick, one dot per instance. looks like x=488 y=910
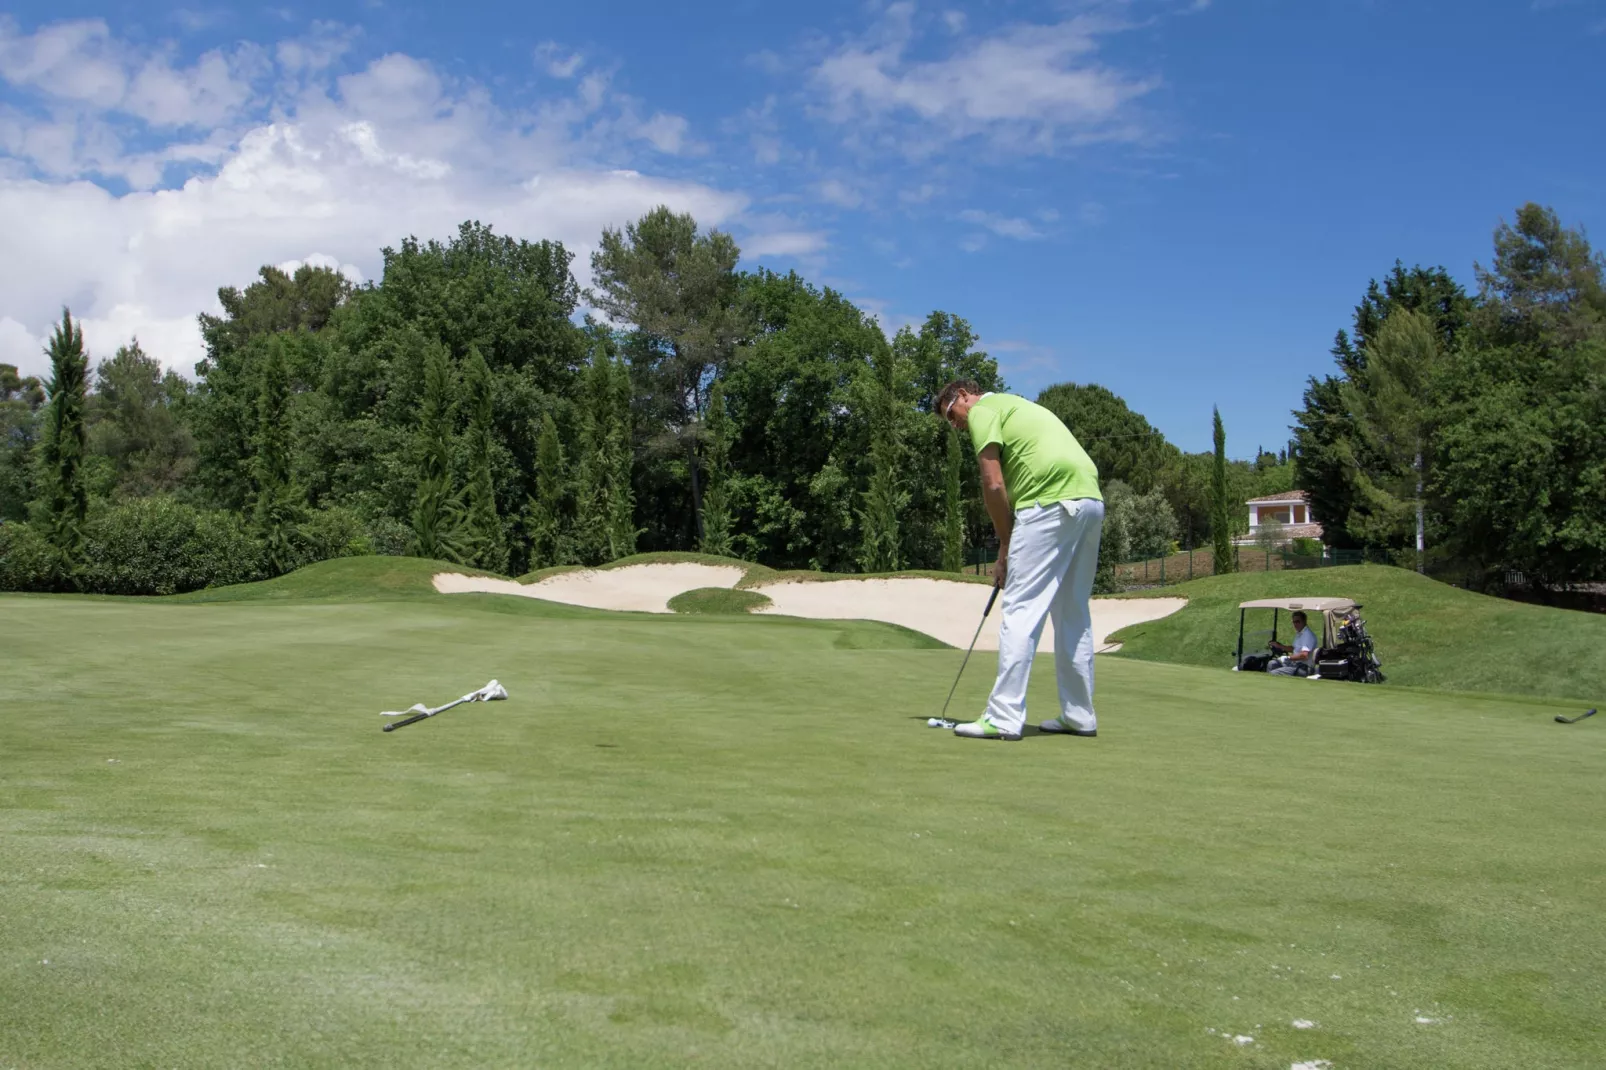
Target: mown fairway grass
x=733 y=842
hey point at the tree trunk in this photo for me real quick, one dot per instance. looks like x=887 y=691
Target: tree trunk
x=1421 y=533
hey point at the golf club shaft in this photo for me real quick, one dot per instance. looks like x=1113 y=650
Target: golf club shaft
x=405 y=721
x=982 y=623
x=415 y=718
x=1575 y=720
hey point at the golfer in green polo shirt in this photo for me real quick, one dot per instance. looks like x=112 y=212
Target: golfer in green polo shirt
x=1042 y=492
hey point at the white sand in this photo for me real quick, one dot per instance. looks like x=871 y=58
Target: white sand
x=943 y=609
x=640 y=588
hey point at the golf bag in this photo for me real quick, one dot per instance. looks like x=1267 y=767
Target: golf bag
x=1257 y=662
x=1353 y=657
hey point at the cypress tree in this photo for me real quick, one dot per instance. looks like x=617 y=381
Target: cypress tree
x=548 y=544
x=878 y=547
x=1220 y=507
x=67 y=498
x=277 y=511
x=437 y=513
x=716 y=494
x=953 y=526
x=622 y=530
x=482 y=539
x=604 y=526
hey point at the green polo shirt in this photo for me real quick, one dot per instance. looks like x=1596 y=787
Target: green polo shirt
x=1043 y=462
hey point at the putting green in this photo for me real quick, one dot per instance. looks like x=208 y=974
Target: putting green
x=733 y=842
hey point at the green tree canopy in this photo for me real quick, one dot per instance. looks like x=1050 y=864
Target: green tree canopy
x=1122 y=443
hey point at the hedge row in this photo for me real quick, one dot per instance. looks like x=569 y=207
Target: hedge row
x=153 y=546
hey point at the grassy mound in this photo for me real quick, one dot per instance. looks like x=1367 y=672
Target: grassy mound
x=1428 y=634
x=718 y=600
x=732 y=843
x=345 y=579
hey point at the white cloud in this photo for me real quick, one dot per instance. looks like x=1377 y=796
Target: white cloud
x=1030 y=87
x=1001 y=225
x=80 y=64
x=318 y=50
x=328 y=174
x=666 y=133
x=919 y=195
x=20 y=348
x=783 y=243
x=835 y=191
x=557 y=62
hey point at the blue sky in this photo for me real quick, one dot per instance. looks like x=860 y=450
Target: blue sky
x=1178 y=199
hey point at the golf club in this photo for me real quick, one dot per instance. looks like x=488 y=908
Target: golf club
x=942 y=722
x=1574 y=720
x=491 y=692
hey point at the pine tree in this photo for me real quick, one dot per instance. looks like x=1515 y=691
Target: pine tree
x=953 y=527
x=67 y=497
x=277 y=512
x=883 y=497
x=549 y=544
x=1220 y=506
x=716 y=495
x=483 y=542
x=437 y=512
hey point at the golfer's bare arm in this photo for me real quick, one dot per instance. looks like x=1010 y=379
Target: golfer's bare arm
x=996 y=496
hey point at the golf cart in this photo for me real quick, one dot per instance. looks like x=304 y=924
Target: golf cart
x=1344 y=653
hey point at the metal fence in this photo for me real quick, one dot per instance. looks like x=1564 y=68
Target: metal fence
x=1193 y=564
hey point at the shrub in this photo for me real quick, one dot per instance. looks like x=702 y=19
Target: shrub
x=390 y=537
x=161 y=546
x=27 y=560
x=333 y=531
x=1307 y=547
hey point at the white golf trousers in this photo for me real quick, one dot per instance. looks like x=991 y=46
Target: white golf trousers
x=1053 y=559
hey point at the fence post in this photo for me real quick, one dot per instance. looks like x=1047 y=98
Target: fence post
x=1190 y=564
x=1162 y=572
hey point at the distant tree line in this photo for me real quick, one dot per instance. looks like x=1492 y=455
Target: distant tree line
x=456 y=409
x=1468 y=432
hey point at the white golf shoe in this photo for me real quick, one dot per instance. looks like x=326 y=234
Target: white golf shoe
x=983 y=728
x=1058 y=727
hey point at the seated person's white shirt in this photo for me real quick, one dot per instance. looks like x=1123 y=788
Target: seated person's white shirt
x=1305 y=640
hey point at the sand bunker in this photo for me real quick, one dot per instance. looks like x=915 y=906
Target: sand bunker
x=943 y=609
x=946 y=610
x=641 y=588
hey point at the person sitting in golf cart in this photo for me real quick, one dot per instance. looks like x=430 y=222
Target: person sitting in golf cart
x=1297 y=659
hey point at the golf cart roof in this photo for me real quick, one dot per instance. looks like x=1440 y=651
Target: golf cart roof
x=1316 y=605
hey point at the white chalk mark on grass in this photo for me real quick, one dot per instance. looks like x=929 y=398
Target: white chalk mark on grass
x=1304 y=1023
x=1426 y=1021
x=1242 y=1040
x=1314 y=1064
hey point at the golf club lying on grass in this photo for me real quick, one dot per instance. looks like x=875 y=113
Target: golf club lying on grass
x=1574 y=720
x=491 y=692
x=943 y=722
